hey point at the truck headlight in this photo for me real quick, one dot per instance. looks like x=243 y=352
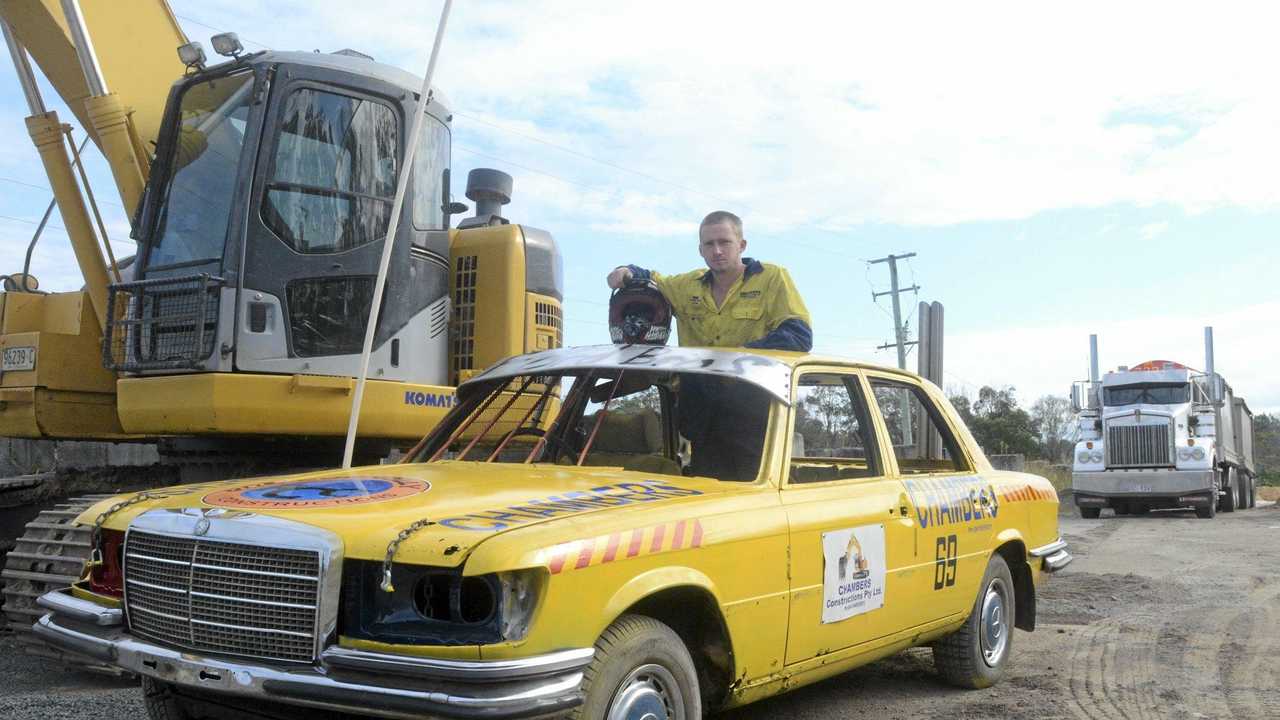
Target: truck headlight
x=1197 y=453
x=1095 y=457
x=1083 y=457
x=1184 y=453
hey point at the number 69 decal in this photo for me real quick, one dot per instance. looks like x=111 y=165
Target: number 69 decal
x=944 y=567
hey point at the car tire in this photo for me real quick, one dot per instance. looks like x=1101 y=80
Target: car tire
x=975 y=656
x=1090 y=513
x=162 y=702
x=641 y=668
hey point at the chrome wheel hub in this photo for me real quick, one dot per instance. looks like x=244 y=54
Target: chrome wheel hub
x=649 y=692
x=993 y=635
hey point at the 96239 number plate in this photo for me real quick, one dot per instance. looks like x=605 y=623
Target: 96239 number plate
x=19 y=358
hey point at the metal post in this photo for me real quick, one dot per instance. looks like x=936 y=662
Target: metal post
x=93 y=77
x=900 y=332
x=1093 y=359
x=397 y=205
x=26 y=78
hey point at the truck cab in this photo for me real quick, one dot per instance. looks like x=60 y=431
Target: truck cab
x=1157 y=435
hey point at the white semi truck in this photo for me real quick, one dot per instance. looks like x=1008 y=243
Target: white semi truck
x=1161 y=435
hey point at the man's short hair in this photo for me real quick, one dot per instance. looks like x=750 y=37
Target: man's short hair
x=722 y=216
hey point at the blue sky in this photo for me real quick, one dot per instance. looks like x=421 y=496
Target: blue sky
x=1057 y=176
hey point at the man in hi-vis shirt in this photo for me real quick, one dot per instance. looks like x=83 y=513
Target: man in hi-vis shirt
x=736 y=302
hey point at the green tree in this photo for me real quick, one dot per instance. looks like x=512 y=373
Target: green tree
x=1052 y=414
x=998 y=424
x=1266 y=447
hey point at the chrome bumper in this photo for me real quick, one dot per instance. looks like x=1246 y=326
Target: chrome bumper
x=1141 y=483
x=369 y=683
x=1054 y=555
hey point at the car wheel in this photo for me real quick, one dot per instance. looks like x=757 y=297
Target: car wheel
x=975 y=656
x=641 y=670
x=1090 y=513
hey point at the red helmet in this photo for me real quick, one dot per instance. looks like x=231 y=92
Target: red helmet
x=639 y=315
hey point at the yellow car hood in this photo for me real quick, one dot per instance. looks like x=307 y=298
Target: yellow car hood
x=467 y=502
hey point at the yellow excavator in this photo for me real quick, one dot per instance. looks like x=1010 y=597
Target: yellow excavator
x=260 y=190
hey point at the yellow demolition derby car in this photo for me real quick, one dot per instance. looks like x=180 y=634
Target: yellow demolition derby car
x=618 y=532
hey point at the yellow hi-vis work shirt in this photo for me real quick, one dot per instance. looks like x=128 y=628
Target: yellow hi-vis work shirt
x=757 y=303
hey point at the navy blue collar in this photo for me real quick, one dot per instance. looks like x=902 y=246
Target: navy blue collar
x=754 y=267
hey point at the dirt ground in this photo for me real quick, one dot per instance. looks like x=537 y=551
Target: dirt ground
x=1160 y=616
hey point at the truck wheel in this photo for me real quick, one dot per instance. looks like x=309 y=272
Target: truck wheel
x=641 y=669
x=1249 y=500
x=975 y=656
x=1090 y=513
x=1231 y=498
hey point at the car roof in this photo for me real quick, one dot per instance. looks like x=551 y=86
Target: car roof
x=770 y=370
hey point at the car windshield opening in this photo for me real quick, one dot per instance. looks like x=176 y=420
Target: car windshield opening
x=645 y=421
x=1148 y=394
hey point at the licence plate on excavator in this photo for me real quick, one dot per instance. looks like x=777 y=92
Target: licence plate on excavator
x=19 y=358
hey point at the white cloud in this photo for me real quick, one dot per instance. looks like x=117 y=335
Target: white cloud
x=1152 y=230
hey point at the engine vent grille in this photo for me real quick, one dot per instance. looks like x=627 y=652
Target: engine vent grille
x=161 y=324
x=1140 y=445
x=547 y=317
x=464 y=314
x=223 y=598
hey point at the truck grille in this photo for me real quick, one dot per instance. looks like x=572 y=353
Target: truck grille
x=222 y=597
x=1139 y=445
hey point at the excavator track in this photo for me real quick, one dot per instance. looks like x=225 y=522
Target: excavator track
x=50 y=554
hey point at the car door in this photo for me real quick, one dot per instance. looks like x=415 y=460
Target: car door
x=954 y=506
x=851 y=528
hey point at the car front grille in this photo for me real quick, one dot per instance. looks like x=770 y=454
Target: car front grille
x=223 y=597
x=1140 y=445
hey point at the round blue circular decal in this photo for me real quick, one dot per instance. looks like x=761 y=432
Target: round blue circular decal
x=317 y=490
x=320 y=492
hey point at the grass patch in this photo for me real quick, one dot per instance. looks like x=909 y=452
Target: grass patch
x=1059 y=475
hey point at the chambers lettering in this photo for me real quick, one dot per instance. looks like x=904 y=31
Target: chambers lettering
x=570 y=503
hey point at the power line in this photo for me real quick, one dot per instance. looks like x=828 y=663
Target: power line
x=47 y=189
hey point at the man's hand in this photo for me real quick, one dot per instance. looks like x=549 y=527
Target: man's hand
x=619 y=277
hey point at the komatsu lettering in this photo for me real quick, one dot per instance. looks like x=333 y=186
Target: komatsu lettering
x=429 y=399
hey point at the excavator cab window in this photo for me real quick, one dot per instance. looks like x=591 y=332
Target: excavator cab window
x=195 y=209
x=334 y=172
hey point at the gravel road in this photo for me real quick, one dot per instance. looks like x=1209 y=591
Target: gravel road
x=1160 y=616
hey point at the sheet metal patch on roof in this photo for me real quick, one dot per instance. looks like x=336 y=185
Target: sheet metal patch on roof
x=772 y=376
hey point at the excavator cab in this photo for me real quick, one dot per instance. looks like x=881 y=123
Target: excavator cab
x=260 y=233
x=260 y=229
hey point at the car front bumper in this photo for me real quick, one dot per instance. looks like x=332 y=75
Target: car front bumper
x=369 y=683
x=1141 y=483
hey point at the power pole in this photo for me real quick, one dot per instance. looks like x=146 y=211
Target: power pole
x=900 y=331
